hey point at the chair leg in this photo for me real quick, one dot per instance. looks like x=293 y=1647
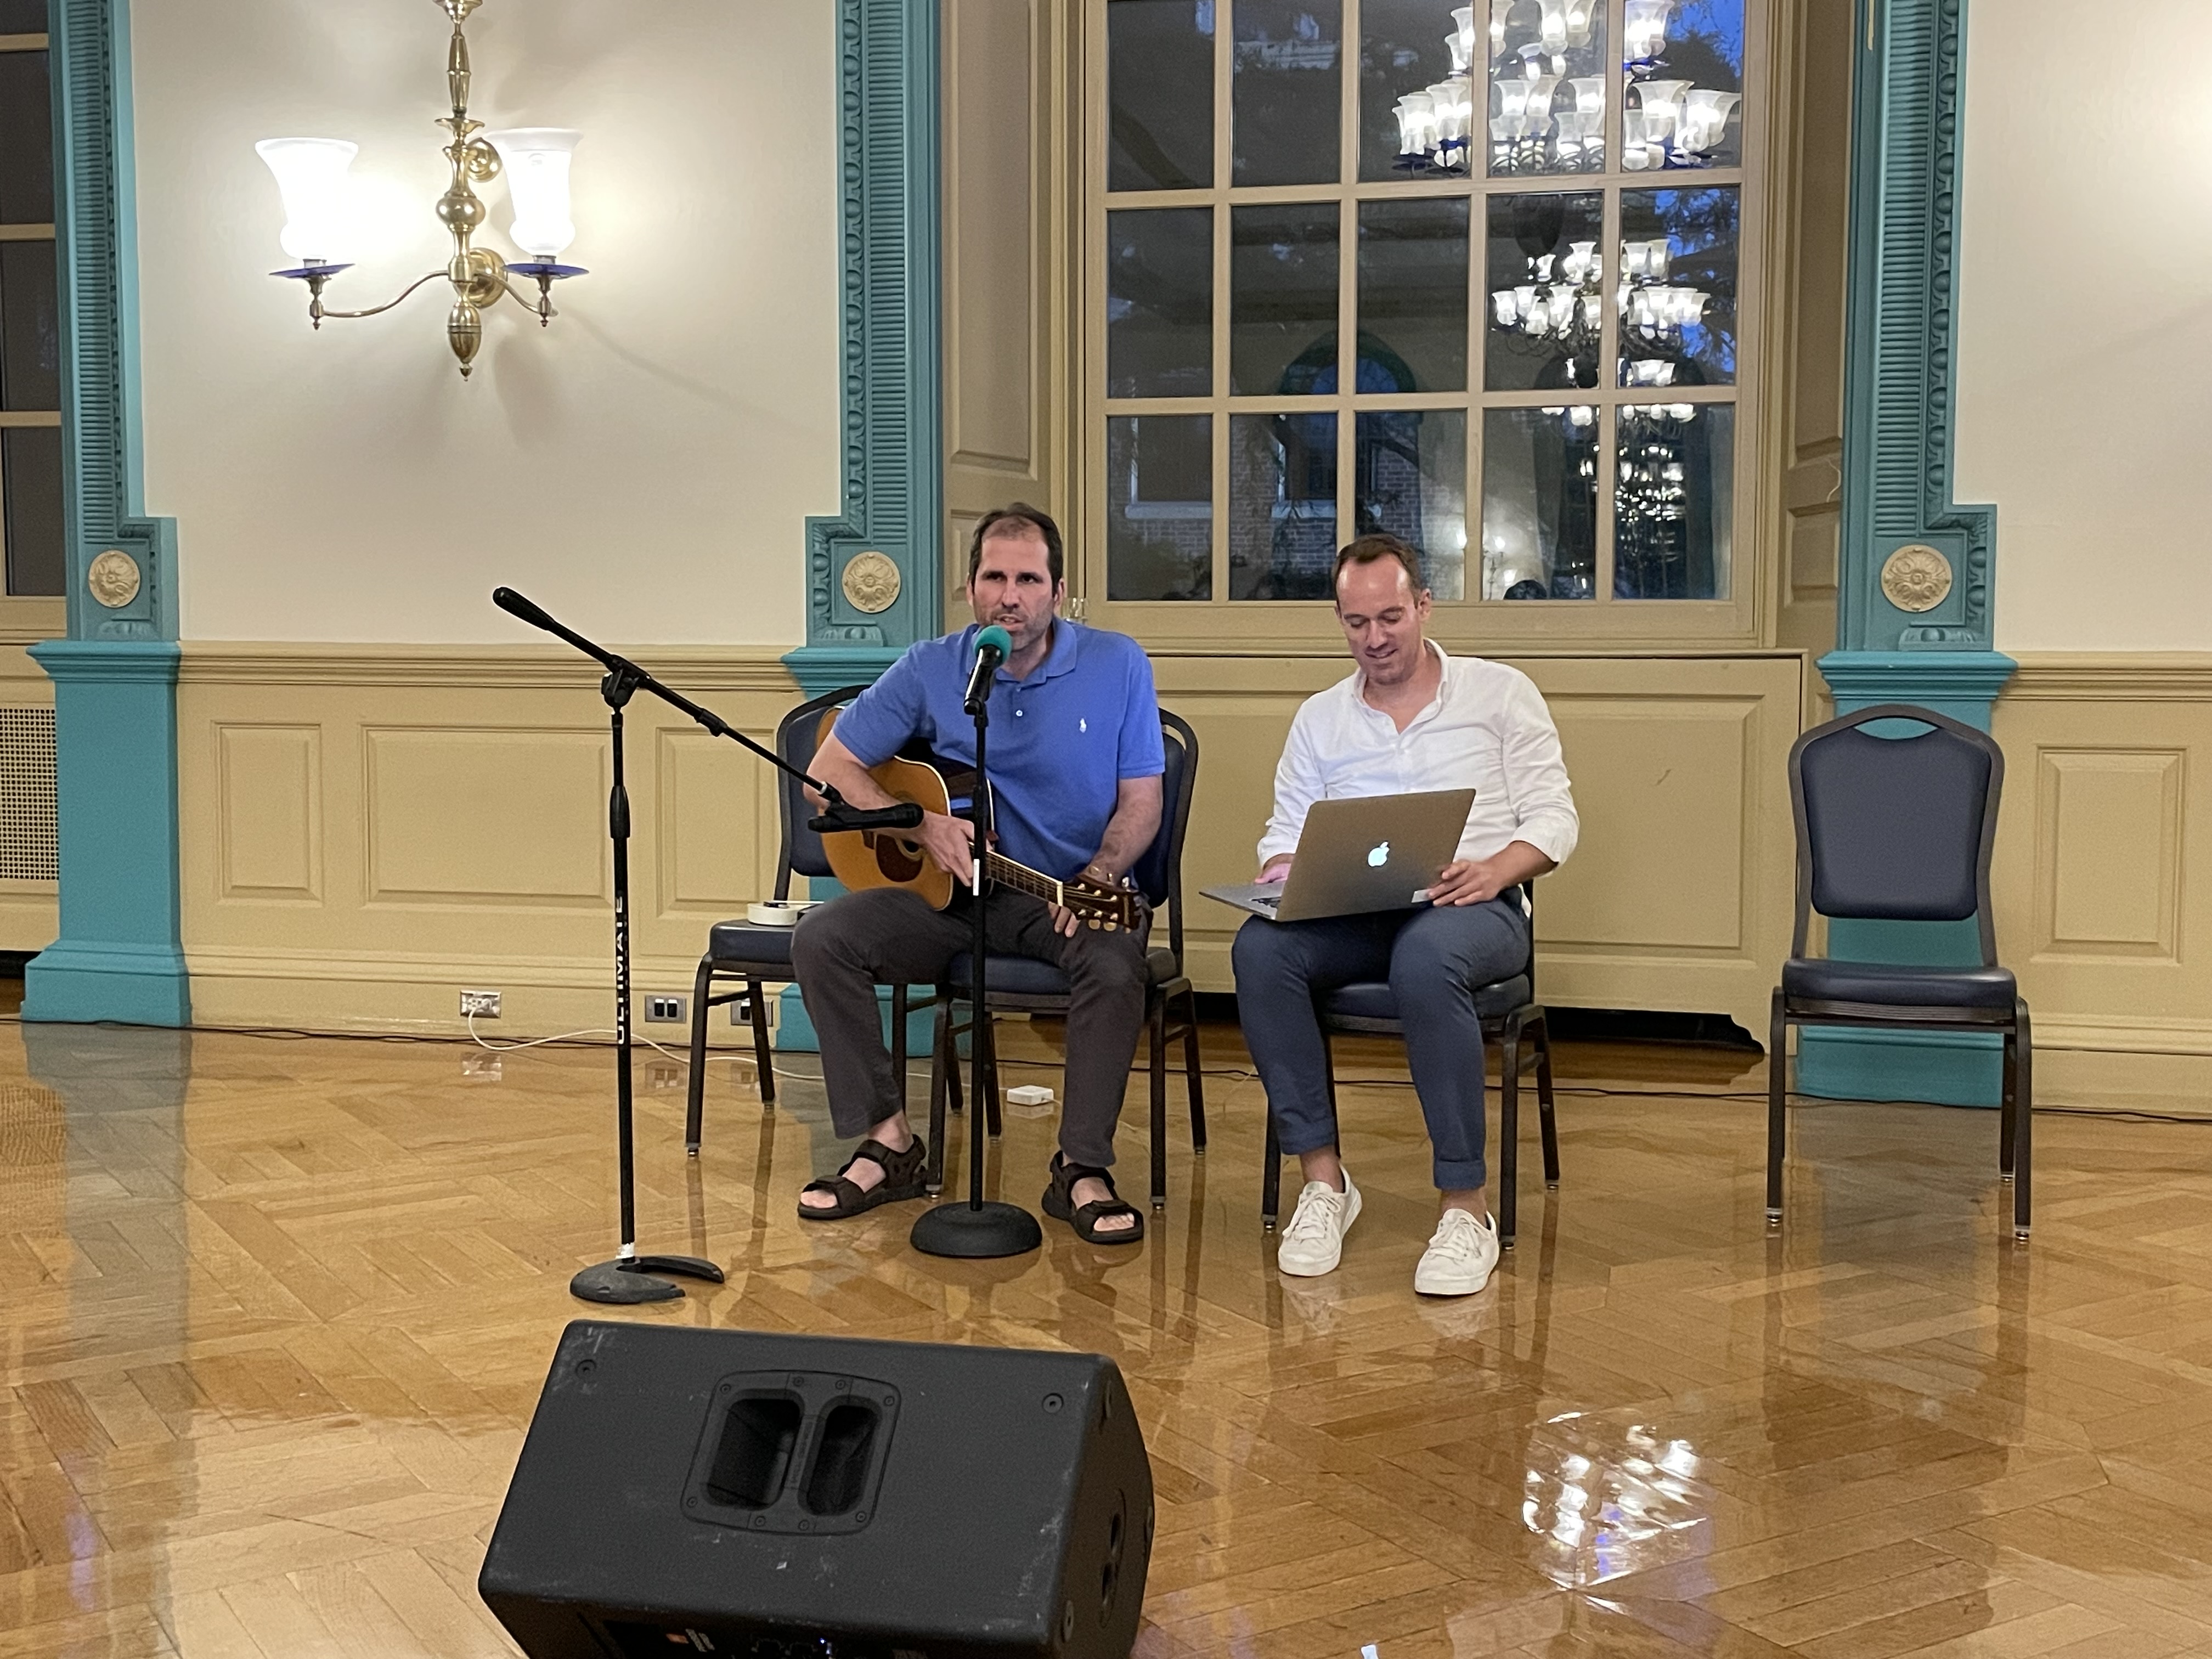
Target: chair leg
x=1546 y=1119
x=1509 y=1134
x=2008 y=1106
x=1195 y=1072
x=944 y=1078
x=1270 y=1179
x=1777 y=1077
x=2024 y=1122
x=763 y=1056
x=695 y=1103
x=898 y=1042
x=1159 y=1079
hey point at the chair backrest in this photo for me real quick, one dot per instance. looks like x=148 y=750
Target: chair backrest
x=1896 y=829
x=1158 y=873
x=798 y=735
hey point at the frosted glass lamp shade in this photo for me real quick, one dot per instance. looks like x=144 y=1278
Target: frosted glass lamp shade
x=536 y=164
x=311 y=174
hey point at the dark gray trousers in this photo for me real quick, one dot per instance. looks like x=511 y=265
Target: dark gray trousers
x=858 y=941
x=1434 y=960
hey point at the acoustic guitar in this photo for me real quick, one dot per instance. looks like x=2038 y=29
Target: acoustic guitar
x=884 y=858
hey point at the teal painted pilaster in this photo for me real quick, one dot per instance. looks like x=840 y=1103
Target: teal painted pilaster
x=1897 y=419
x=890 y=298
x=120 y=955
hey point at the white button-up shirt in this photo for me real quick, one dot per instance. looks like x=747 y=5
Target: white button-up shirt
x=1486 y=728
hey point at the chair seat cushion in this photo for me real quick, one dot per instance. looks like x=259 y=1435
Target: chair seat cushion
x=1818 y=978
x=740 y=941
x=1373 y=1001
x=1027 y=977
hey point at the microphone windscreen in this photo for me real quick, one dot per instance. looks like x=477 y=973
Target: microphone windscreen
x=515 y=604
x=995 y=638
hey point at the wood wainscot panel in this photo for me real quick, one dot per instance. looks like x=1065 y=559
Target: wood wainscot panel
x=269 y=802
x=367 y=829
x=2103 y=877
x=716 y=825
x=486 y=816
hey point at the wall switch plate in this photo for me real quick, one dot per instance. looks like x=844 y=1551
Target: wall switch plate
x=664 y=1010
x=484 y=1005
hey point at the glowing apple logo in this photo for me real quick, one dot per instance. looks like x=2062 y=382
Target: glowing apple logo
x=1380 y=856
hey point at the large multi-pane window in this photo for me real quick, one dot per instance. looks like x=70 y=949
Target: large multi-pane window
x=30 y=330
x=1468 y=275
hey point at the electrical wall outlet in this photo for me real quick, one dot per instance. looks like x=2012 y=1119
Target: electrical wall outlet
x=484 y=1005
x=666 y=1011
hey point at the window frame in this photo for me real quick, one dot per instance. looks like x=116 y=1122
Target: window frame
x=1743 y=619
x=27 y=617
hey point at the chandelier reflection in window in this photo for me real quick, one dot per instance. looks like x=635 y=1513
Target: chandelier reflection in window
x=1665 y=123
x=1544 y=109
x=1658 y=552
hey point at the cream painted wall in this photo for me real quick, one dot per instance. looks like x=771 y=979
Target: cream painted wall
x=642 y=468
x=2085 y=319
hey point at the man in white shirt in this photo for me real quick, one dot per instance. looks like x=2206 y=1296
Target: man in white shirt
x=1410 y=718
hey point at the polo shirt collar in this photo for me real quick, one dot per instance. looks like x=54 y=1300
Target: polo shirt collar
x=1059 y=659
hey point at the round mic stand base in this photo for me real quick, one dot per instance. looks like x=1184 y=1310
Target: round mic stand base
x=976 y=1230
x=624 y=1281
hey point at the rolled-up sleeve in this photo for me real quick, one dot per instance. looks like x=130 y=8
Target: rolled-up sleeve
x=1298 y=785
x=1536 y=775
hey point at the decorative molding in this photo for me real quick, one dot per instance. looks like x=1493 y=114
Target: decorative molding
x=890 y=281
x=97 y=238
x=1961 y=684
x=1899 y=379
x=2112 y=676
x=690 y=668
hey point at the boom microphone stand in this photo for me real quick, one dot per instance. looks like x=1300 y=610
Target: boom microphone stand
x=977 y=1228
x=627 y=1277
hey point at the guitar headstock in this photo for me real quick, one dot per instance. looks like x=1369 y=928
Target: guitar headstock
x=1108 y=909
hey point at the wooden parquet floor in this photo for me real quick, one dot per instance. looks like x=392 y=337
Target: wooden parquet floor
x=275 y=1313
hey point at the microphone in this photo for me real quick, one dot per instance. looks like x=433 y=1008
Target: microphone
x=992 y=646
x=515 y=606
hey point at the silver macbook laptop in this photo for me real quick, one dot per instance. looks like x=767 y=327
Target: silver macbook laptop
x=1367 y=854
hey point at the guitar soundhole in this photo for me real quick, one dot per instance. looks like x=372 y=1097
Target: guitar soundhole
x=899 y=860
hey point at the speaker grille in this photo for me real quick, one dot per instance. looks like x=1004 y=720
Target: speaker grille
x=30 y=837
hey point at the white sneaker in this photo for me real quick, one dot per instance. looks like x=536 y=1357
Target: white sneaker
x=1314 y=1241
x=1460 y=1256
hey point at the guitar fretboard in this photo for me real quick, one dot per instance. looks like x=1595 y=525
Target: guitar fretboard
x=1022 y=878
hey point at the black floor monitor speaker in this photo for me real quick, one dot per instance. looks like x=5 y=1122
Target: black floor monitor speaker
x=768 y=1497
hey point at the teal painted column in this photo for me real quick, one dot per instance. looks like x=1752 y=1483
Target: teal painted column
x=1916 y=584
x=120 y=955
x=874 y=568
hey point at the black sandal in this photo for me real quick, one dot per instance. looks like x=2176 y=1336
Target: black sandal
x=903 y=1179
x=1060 y=1205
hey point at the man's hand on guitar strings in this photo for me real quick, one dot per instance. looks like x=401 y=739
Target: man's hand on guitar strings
x=951 y=843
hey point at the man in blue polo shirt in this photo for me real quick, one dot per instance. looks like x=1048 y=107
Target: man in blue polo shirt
x=1076 y=760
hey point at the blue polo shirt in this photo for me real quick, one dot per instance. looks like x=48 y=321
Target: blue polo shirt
x=1060 y=741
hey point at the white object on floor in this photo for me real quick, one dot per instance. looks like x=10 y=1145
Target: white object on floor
x=1028 y=1100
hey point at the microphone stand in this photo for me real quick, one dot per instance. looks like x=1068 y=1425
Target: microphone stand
x=628 y=1278
x=977 y=1230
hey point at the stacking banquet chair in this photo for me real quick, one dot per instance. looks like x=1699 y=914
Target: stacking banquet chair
x=1509 y=1011
x=742 y=950
x=1024 y=984
x=1899 y=829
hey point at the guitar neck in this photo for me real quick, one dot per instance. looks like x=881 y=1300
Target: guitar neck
x=1023 y=879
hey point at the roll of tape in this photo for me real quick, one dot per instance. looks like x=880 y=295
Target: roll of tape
x=778 y=912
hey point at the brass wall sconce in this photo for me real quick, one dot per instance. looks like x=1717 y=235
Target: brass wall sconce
x=311 y=173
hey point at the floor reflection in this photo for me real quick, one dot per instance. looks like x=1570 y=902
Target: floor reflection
x=273 y=1314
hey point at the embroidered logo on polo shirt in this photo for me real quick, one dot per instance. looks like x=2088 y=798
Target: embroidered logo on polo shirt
x=1082 y=725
